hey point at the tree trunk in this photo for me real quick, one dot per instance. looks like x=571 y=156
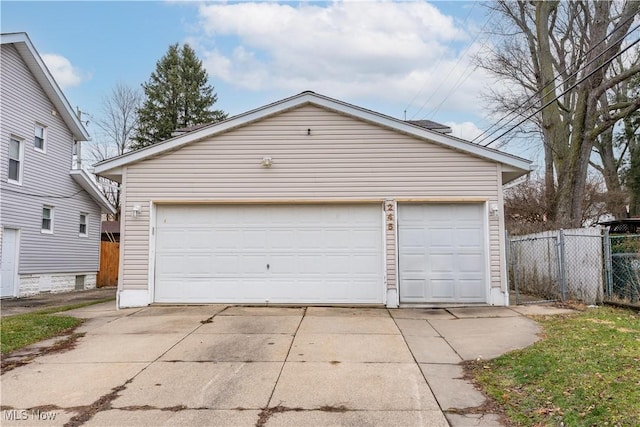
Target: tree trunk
x=615 y=195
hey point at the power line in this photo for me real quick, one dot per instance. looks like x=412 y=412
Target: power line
x=606 y=63
x=437 y=63
x=547 y=85
x=450 y=72
x=46 y=196
x=485 y=135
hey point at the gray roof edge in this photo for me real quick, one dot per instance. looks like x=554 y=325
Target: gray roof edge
x=84 y=180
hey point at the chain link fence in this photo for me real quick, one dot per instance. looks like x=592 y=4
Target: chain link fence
x=622 y=256
x=584 y=264
x=557 y=265
x=534 y=265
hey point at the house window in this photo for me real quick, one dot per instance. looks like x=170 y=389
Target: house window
x=39 y=138
x=83 y=225
x=47 y=219
x=15 y=161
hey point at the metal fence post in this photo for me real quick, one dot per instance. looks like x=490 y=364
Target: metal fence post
x=562 y=265
x=608 y=268
x=513 y=267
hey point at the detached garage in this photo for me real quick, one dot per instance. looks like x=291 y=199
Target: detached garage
x=313 y=201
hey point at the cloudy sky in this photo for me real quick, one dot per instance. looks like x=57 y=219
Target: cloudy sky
x=391 y=57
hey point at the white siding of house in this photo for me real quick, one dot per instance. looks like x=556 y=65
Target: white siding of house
x=343 y=159
x=46 y=179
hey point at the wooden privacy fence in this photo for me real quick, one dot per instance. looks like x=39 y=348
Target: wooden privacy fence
x=109 y=259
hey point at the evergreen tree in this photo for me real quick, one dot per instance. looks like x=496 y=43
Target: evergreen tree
x=177 y=95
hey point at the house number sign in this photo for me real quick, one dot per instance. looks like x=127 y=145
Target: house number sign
x=389 y=210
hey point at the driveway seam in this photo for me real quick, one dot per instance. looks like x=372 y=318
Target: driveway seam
x=415 y=361
x=304 y=313
x=445 y=340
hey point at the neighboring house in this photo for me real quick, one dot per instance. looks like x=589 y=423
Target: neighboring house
x=50 y=213
x=311 y=200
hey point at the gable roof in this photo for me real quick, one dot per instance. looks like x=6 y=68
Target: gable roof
x=41 y=73
x=513 y=166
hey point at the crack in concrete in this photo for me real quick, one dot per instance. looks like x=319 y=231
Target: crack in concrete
x=209 y=320
x=25 y=356
x=85 y=413
x=176 y=408
x=268 y=412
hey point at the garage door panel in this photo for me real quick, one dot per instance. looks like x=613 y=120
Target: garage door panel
x=198 y=239
x=170 y=264
x=414 y=263
x=443 y=288
x=439 y=238
x=316 y=254
x=251 y=239
x=414 y=288
x=470 y=263
x=227 y=264
x=412 y=237
x=174 y=237
x=441 y=263
x=200 y=264
x=221 y=239
x=470 y=289
x=281 y=239
x=363 y=265
x=442 y=248
x=469 y=237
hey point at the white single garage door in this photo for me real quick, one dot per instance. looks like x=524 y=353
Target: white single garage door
x=269 y=253
x=442 y=255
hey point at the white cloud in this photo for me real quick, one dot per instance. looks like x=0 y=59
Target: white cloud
x=63 y=71
x=388 y=51
x=464 y=130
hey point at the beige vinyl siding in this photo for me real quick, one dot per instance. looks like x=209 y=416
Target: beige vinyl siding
x=343 y=159
x=45 y=180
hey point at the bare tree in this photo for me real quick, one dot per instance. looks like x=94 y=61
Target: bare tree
x=559 y=55
x=616 y=149
x=117 y=122
x=628 y=139
x=525 y=207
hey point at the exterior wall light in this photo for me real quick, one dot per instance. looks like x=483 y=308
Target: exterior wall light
x=266 y=162
x=136 y=211
x=494 y=210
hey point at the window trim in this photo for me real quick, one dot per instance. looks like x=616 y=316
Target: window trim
x=86 y=225
x=51 y=219
x=20 y=159
x=44 y=137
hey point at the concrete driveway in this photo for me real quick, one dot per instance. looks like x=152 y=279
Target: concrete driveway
x=264 y=366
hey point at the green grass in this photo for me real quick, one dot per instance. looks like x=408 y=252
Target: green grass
x=22 y=330
x=584 y=372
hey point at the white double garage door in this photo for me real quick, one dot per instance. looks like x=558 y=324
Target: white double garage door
x=317 y=254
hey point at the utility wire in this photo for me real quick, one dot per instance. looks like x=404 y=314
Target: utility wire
x=450 y=72
x=606 y=63
x=485 y=135
x=435 y=67
x=47 y=196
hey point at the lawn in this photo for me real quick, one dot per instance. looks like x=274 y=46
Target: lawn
x=21 y=330
x=584 y=372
